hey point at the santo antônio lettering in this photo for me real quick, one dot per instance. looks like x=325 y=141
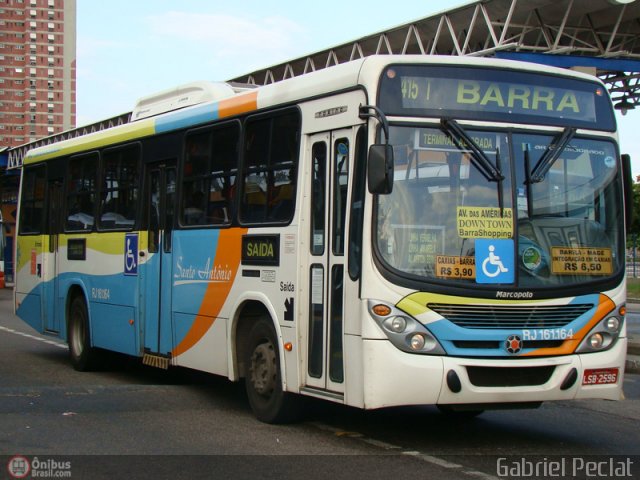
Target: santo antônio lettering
x=517 y=96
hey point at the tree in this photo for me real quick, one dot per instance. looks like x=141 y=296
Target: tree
x=634 y=228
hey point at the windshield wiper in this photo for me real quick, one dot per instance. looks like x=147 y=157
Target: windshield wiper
x=478 y=158
x=463 y=141
x=549 y=157
x=528 y=182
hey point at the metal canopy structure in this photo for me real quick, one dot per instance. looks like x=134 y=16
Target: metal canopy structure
x=600 y=35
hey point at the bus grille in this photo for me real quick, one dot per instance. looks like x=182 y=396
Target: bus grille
x=510 y=317
x=509 y=377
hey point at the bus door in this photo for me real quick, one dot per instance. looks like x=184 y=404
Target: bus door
x=51 y=259
x=156 y=299
x=331 y=156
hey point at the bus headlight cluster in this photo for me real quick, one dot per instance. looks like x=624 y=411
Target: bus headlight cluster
x=404 y=331
x=603 y=335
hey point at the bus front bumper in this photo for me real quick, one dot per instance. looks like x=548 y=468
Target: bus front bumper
x=393 y=378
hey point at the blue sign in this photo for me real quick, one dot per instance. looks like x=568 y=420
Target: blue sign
x=131 y=254
x=495 y=262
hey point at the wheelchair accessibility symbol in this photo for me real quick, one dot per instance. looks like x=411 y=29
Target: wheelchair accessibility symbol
x=496 y=261
x=131 y=254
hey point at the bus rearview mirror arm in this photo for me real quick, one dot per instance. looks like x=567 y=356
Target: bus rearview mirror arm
x=380 y=160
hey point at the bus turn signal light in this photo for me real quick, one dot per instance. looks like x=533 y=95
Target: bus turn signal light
x=381 y=310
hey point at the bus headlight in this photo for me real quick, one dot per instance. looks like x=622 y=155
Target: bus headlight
x=396 y=324
x=417 y=341
x=602 y=336
x=424 y=342
x=596 y=341
x=404 y=331
x=613 y=324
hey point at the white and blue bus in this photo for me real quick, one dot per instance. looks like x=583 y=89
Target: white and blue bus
x=396 y=230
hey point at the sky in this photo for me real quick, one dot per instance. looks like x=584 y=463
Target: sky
x=128 y=49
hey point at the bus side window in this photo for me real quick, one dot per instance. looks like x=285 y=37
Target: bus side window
x=195 y=181
x=32 y=200
x=119 y=195
x=269 y=173
x=223 y=171
x=209 y=175
x=81 y=192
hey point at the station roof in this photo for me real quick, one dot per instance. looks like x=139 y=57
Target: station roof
x=602 y=36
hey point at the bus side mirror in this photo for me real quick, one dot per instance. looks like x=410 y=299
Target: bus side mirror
x=380 y=169
x=628 y=189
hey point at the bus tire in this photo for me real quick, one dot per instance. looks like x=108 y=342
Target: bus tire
x=263 y=380
x=82 y=354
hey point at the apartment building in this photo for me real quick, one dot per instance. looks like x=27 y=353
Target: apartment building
x=37 y=69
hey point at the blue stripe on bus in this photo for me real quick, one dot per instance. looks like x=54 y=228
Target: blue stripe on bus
x=186 y=118
x=30 y=310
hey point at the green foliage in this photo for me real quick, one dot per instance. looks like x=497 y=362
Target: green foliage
x=635 y=223
x=633 y=288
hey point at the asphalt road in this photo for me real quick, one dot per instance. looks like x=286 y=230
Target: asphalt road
x=132 y=421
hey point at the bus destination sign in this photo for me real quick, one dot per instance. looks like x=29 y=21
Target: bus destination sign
x=495 y=96
x=486 y=94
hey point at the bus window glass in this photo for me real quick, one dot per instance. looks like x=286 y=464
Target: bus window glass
x=223 y=172
x=195 y=178
x=32 y=200
x=568 y=221
x=270 y=169
x=340 y=185
x=119 y=195
x=81 y=192
x=437 y=182
x=319 y=159
x=209 y=176
x=356 y=215
x=169 y=208
x=446 y=215
x=153 y=214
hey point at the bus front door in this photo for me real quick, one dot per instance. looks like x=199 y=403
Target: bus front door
x=51 y=260
x=331 y=156
x=156 y=291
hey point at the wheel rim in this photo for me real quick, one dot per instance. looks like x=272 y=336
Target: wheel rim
x=77 y=337
x=263 y=370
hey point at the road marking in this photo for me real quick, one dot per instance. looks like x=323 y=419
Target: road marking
x=33 y=337
x=338 y=432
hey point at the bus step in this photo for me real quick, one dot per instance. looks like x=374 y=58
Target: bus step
x=155 y=361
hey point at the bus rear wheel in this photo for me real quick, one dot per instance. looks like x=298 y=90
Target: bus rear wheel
x=82 y=354
x=263 y=382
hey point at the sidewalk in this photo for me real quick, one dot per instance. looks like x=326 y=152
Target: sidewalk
x=633 y=348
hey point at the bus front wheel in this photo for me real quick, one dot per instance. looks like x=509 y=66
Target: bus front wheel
x=81 y=353
x=263 y=381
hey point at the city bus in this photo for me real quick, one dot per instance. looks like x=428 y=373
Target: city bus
x=395 y=230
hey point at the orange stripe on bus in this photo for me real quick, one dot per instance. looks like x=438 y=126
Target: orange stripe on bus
x=237 y=105
x=605 y=307
x=228 y=255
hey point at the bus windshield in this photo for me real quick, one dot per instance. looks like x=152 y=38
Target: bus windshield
x=549 y=214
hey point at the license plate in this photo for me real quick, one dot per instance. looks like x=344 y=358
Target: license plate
x=600 y=376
